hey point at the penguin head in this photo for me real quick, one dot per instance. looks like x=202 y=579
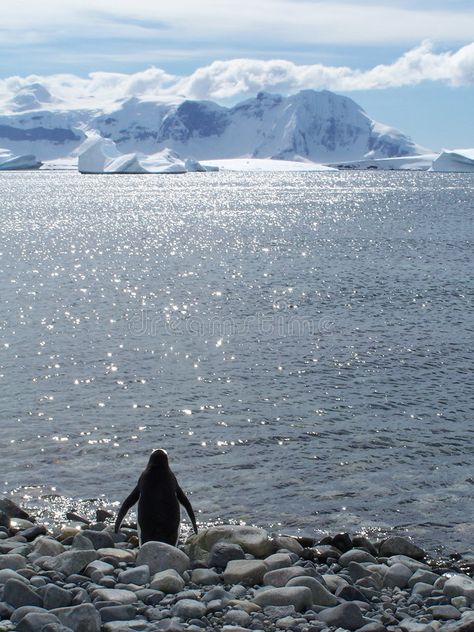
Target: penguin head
x=158 y=458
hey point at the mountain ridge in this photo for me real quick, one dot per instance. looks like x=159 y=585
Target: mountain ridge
x=317 y=126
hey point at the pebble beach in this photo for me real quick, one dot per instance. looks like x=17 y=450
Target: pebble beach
x=82 y=577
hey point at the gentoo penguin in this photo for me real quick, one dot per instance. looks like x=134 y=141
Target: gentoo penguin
x=158 y=495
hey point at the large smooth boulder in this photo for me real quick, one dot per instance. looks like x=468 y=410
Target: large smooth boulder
x=253 y=540
x=460 y=586
x=160 y=556
x=396 y=545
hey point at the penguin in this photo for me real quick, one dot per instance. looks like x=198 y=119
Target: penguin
x=158 y=495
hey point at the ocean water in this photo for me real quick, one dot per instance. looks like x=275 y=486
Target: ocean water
x=301 y=344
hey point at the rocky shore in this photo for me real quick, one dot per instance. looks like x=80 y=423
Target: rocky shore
x=83 y=577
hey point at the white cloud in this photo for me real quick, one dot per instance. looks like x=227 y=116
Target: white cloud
x=288 y=22
x=238 y=78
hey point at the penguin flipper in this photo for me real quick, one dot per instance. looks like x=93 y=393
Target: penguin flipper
x=183 y=499
x=131 y=499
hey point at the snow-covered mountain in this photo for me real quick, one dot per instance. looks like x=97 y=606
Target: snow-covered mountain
x=310 y=125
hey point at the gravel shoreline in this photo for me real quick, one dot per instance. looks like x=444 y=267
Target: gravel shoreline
x=83 y=577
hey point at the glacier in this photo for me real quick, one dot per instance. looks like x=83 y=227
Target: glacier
x=315 y=126
x=100 y=155
x=455 y=160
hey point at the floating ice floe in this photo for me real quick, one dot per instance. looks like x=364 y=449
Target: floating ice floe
x=401 y=163
x=10 y=162
x=100 y=155
x=265 y=165
x=455 y=160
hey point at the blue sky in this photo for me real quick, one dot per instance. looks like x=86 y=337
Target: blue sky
x=335 y=44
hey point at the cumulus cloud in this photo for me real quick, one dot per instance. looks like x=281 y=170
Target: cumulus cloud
x=238 y=78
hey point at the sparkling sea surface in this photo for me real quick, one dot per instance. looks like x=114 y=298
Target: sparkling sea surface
x=300 y=343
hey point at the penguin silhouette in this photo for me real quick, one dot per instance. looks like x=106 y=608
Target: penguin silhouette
x=159 y=496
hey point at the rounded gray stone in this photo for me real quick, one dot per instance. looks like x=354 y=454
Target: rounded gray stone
x=397 y=575
x=139 y=575
x=19 y=613
x=245 y=572
x=160 y=556
x=169 y=582
x=224 y=552
x=188 y=609
x=298 y=596
x=396 y=545
x=37 y=621
x=237 y=617
x=281 y=576
x=8 y=573
x=116 y=595
x=17 y=594
x=460 y=586
x=13 y=561
x=320 y=594
x=71 y=562
x=277 y=560
x=55 y=597
x=252 y=539
x=204 y=577
x=356 y=555
x=288 y=543
x=346 y=615
x=444 y=612
x=117 y=613
x=82 y=618
x=99 y=539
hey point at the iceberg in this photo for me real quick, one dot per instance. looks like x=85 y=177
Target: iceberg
x=421 y=162
x=9 y=162
x=454 y=161
x=194 y=165
x=100 y=155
